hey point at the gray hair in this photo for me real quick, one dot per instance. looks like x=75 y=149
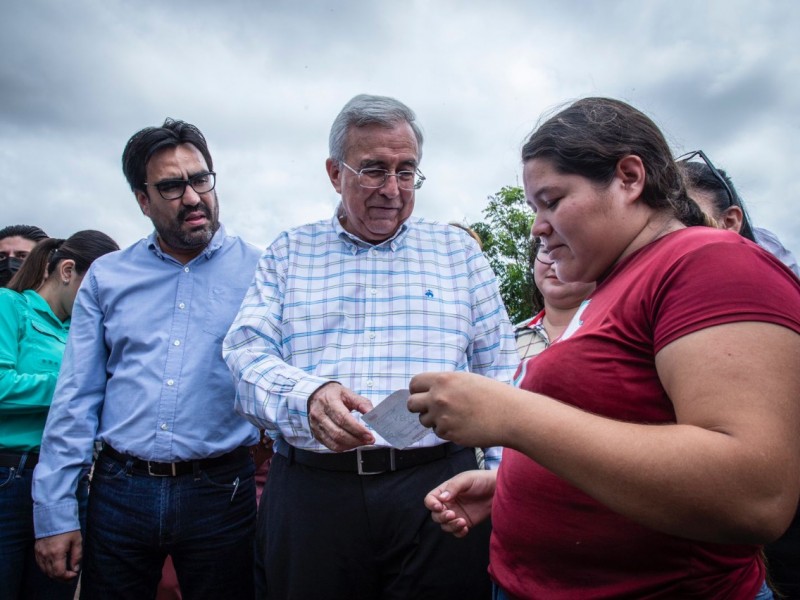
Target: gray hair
x=366 y=109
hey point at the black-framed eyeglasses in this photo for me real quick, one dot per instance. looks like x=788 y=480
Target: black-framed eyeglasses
x=543 y=256
x=172 y=189
x=539 y=254
x=685 y=158
x=373 y=178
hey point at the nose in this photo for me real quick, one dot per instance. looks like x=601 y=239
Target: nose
x=540 y=226
x=390 y=189
x=190 y=197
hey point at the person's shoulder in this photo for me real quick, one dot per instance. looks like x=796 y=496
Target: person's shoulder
x=692 y=241
x=111 y=261
x=772 y=244
x=700 y=236
x=711 y=257
x=323 y=226
x=306 y=233
x=453 y=235
x=709 y=242
x=11 y=298
x=430 y=226
x=13 y=303
x=245 y=247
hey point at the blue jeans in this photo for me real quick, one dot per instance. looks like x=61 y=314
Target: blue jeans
x=765 y=593
x=205 y=521
x=20 y=577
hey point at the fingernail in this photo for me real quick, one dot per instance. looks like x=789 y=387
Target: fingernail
x=444 y=495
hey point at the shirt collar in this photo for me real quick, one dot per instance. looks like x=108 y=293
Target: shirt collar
x=536 y=322
x=40 y=305
x=355 y=243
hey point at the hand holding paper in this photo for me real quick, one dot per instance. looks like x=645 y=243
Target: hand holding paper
x=393 y=421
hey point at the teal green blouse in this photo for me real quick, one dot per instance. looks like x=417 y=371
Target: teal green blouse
x=32 y=341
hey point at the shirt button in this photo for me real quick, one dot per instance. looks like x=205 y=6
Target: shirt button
x=372 y=335
x=373 y=291
x=170 y=382
x=185 y=269
x=181 y=306
x=370 y=383
x=164 y=427
x=176 y=343
x=373 y=252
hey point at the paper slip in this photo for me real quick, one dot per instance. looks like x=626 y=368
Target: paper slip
x=393 y=421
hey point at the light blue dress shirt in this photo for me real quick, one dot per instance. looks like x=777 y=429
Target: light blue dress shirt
x=327 y=306
x=143 y=369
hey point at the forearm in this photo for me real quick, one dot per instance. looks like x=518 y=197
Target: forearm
x=23 y=393
x=272 y=394
x=680 y=479
x=65 y=457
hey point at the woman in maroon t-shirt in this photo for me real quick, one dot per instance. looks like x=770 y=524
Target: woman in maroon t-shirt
x=651 y=451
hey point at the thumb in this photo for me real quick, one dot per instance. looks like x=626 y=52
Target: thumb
x=75 y=556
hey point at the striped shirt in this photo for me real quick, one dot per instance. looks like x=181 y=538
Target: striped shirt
x=531 y=336
x=325 y=305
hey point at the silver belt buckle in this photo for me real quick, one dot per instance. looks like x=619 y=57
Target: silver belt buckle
x=150 y=471
x=360 y=461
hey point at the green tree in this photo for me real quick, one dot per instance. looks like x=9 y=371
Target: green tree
x=506 y=235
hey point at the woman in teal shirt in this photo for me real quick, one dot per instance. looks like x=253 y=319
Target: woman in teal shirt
x=35 y=311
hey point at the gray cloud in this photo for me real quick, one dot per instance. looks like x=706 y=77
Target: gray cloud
x=264 y=80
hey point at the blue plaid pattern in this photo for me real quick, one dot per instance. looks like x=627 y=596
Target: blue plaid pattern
x=325 y=306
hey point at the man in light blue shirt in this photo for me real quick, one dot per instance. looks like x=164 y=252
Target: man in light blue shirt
x=342 y=313
x=143 y=373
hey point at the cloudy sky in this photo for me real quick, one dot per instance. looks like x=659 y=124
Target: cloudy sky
x=264 y=80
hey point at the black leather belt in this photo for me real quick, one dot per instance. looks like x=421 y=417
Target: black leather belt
x=368 y=461
x=159 y=469
x=12 y=459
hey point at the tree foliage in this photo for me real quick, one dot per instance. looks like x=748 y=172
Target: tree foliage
x=506 y=235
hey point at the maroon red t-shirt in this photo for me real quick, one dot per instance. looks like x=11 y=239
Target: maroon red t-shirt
x=551 y=540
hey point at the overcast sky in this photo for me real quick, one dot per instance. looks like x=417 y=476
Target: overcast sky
x=264 y=80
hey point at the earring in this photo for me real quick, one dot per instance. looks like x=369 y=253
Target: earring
x=66 y=281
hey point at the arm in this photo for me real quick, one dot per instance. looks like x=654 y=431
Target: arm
x=20 y=393
x=274 y=395
x=493 y=351
x=71 y=427
x=725 y=472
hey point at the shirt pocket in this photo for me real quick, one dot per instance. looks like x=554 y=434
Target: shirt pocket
x=44 y=346
x=222 y=305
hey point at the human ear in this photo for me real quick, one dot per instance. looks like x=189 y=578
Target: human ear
x=144 y=202
x=631 y=174
x=66 y=270
x=732 y=218
x=334 y=173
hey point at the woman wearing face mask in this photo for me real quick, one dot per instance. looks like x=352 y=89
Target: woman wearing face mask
x=16 y=241
x=649 y=453
x=35 y=312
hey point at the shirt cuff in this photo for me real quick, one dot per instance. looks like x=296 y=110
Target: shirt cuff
x=297 y=400
x=492 y=457
x=56 y=518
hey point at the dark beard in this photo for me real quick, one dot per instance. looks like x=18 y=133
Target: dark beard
x=199 y=237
